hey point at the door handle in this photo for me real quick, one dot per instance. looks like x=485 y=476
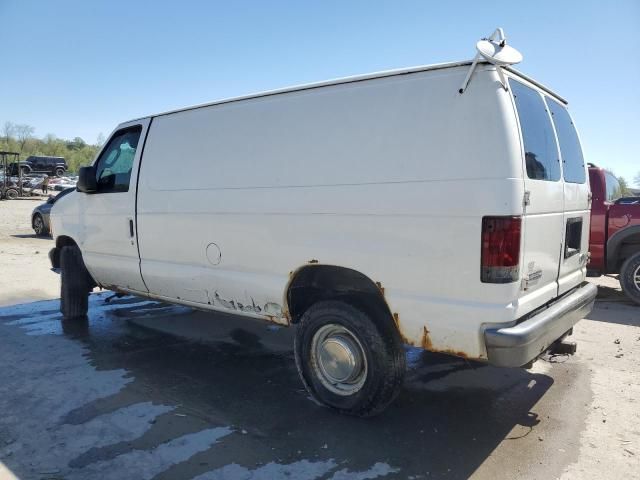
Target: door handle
x=131 y=227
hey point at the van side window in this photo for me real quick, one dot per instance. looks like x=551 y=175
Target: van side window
x=614 y=192
x=540 y=148
x=113 y=169
x=573 y=169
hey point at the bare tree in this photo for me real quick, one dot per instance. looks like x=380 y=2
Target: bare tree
x=636 y=180
x=100 y=140
x=23 y=133
x=8 y=129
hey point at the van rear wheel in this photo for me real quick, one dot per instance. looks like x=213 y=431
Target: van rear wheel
x=630 y=277
x=75 y=284
x=347 y=359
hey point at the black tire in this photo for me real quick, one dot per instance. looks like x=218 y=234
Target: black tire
x=380 y=345
x=38 y=225
x=25 y=171
x=630 y=277
x=75 y=284
x=11 y=194
x=59 y=172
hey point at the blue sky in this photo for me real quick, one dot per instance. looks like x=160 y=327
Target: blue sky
x=79 y=67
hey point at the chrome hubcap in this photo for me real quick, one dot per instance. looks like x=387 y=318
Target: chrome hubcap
x=636 y=278
x=338 y=359
x=37 y=223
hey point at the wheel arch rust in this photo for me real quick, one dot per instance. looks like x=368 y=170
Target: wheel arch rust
x=315 y=281
x=321 y=277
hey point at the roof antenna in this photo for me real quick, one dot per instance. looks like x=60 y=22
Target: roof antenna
x=495 y=51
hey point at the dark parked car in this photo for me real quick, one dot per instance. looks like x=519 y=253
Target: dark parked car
x=40 y=214
x=40 y=164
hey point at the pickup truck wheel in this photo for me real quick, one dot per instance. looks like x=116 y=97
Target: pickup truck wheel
x=75 y=283
x=59 y=172
x=630 y=277
x=347 y=360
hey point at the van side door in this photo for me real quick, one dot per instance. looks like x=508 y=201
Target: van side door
x=109 y=240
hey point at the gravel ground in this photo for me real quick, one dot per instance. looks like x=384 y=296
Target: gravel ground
x=145 y=390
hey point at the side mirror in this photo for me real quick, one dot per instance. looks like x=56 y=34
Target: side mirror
x=87 y=180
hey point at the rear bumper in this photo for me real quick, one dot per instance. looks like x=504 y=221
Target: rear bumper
x=517 y=345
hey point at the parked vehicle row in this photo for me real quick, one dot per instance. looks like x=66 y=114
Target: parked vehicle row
x=32 y=184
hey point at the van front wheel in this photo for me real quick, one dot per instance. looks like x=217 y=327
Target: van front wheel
x=75 y=284
x=630 y=277
x=347 y=360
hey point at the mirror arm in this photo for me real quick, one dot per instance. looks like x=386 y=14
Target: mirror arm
x=503 y=79
x=469 y=73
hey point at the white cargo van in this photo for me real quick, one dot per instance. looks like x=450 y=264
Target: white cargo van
x=370 y=212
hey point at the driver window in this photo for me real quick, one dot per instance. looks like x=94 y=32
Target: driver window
x=113 y=170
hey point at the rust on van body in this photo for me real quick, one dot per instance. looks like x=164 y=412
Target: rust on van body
x=426 y=343
x=396 y=320
x=454 y=353
x=270 y=311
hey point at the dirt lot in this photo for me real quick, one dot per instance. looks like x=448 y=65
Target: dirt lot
x=149 y=391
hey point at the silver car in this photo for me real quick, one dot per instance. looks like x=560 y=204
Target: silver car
x=40 y=214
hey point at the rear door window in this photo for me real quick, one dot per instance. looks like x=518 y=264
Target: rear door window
x=573 y=169
x=540 y=148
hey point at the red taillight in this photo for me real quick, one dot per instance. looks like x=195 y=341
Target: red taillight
x=500 y=258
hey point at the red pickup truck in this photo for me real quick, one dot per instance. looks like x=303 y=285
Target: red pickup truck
x=614 y=241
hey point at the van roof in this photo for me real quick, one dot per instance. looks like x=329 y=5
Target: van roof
x=351 y=79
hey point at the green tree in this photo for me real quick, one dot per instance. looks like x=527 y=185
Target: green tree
x=76 y=144
x=624 y=186
x=19 y=138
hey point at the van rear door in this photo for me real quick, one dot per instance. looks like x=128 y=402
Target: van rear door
x=573 y=269
x=543 y=212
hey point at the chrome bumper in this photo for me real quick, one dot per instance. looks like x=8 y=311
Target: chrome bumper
x=517 y=345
